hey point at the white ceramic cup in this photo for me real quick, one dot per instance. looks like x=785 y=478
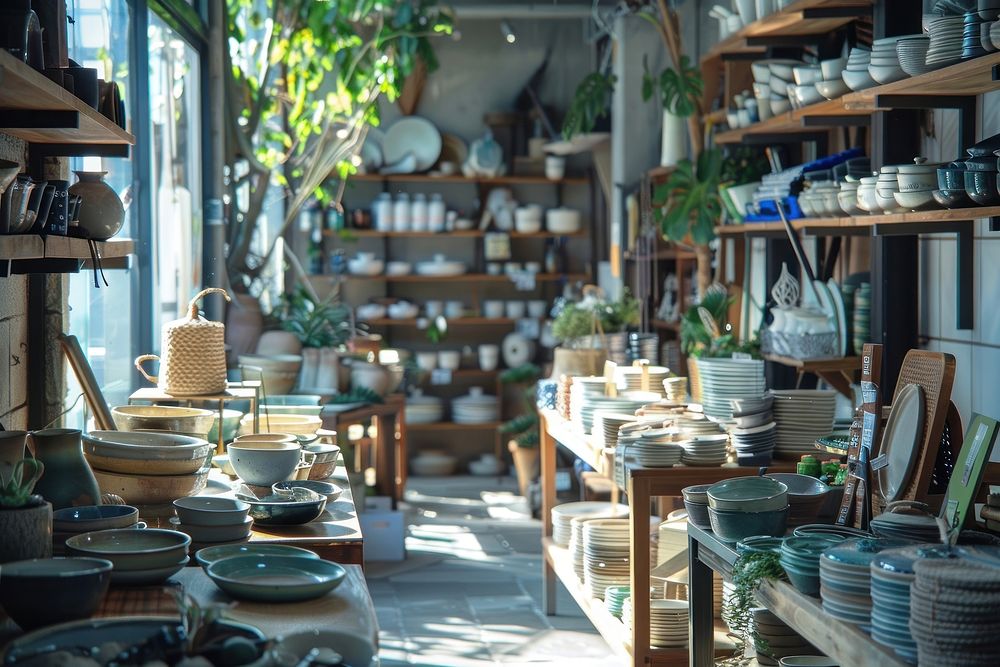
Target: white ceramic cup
x=454 y=309
x=449 y=359
x=537 y=308
x=489 y=357
x=555 y=167
x=493 y=309
x=427 y=361
x=515 y=310
x=434 y=308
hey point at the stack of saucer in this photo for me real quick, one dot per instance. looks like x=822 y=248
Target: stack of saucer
x=856 y=74
x=845 y=579
x=774 y=639
x=629 y=378
x=802 y=416
x=676 y=389
x=668 y=622
x=692 y=424
x=656 y=448
x=972 y=44
x=946 y=40
x=607 y=423
x=912 y=527
x=704 y=450
x=884 y=66
x=563 y=515
x=614 y=599
x=212 y=520
x=755 y=445
x=475 y=408
x=912 y=52
x=605 y=555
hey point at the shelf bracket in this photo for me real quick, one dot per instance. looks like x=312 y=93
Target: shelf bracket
x=79 y=150
x=859 y=120
x=994 y=224
x=38 y=120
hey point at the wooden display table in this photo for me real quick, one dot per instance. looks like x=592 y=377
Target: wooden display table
x=642 y=485
x=843 y=642
x=839 y=372
x=389 y=419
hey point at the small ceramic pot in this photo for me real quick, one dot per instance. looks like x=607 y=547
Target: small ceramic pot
x=555 y=167
x=102 y=213
x=489 y=356
x=27 y=533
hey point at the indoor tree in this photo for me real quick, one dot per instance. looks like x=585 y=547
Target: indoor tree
x=303 y=82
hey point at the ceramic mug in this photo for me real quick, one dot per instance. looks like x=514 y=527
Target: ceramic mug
x=555 y=167
x=489 y=357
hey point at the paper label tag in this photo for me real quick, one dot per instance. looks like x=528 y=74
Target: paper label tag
x=868 y=431
x=441 y=376
x=880 y=462
x=529 y=327
x=970 y=462
x=524 y=281
x=869 y=392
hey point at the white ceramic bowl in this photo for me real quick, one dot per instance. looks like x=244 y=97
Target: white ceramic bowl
x=493 y=309
x=832 y=89
x=538 y=308
x=805 y=75
x=915 y=200
x=886 y=73
x=427 y=361
x=370 y=311
x=858 y=79
x=397 y=268
x=449 y=359
x=832 y=68
x=515 y=309
x=264 y=463
x=562 y=220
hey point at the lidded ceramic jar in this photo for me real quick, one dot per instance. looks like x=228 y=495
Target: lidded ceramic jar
x=917 y=177
x=888 y=182
x=866 y=195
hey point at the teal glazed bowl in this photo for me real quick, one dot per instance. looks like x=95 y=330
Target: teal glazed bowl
x=748 y=494
x=209 y=555
x=230 y=424
x=263 y=578
x=47 y=591
x=735 y=526
x=87 y=518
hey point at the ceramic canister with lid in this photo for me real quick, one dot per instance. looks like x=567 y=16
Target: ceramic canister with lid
x=401 y=213
x=382 y=211
x=419 y=212
x=436 y=213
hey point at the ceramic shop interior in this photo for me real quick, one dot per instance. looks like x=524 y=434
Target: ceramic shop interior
x=448 y=334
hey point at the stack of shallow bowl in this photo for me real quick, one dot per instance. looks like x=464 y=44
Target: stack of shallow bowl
x=704 y=450
x=676 y=389
x=884 y=66
x=912 y=527
x=802 y=416
x=692 y=424
x=912 y=52
x=668 y=622
x=946 y=40
x=563 y=515
x=774 y=640
x=148 y=468
x=212 y=520
x=656 y=448
x=325 y=463
x=856 y=74
x=629 y=378
x=422 y=409
x=184 y=421
x=744 y=506
x=140 y=557
x=800 y=559
x=300 y=425
x=614 y=599
x=845 y=573
x=475 y=408
x=754 y=445
x=585 y=401
x=696 y=504
x=605 y=555
x=806 y=496
x=70 y=521
x=607 y=423
x=725 y=379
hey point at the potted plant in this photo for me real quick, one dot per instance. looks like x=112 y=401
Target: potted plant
x=25 y=519
x=323 y=329
x=522 y=430
x=593 y=323
x=590 y=104
x=680 y=92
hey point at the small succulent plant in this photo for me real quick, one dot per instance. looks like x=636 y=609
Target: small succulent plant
x=17 y=491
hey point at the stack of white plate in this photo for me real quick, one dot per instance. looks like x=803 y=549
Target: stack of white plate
x=656 y=448
x=946 y=40
x=584 y=389
x=605 y=554
x=676 y=389
x=576 y=532
x=802 y=416
x=629 y=378
x=756 y=441
x=584 y=403
x=724 y=379
x=423 y=409
x=884 y=66
x=912 y=52
x=474 y=408
x=705 y=450
x=563 y=515
x=668 y=622
x=607 y=423
x=856 y=74
x=694 y=423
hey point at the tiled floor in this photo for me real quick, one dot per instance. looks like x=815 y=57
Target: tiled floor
x=469 y=593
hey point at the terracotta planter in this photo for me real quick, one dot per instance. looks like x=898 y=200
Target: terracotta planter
x=27 y=533
x=68 y=480
x=527 y=465
x=278 y=342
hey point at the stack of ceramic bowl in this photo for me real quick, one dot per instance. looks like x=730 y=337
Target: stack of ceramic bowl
x=951 y=181
x=800 y=559
x=972 y=36
x=856 y=74
x=912 y=52
x=563 y=515
x=577 y=525
x=607 y=423
x=754 y=445
x=846 y=532
x=704 y=450
x=832 y=85
x=696 y=504
x=70 y=521
x=806 y=496
x=953 y=607
x=845 y=573
x=774 y=639
x=744 y=506
x=861 y=324
x=676 y=389
x=303 y=425
x=614 y=599
x=692 y=424
x=325 y=463
x=148 y=468
x=946 y=40
x=722 y=380
x=668 y=622
x=186 y=421
x=475 y=408
x=211 y=520
x=605 y=554
x=912 y=527
x=656 y=448
x=802 y=416
x=892 y=574
x=140 y=557
x=629 y=378
x=422 y=409
x=884 y=66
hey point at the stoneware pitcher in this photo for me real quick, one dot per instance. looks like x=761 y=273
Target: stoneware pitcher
x=68 y=480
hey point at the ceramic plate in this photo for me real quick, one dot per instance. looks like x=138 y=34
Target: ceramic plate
x=412 y=135
x=276 y=578
x=900 y=441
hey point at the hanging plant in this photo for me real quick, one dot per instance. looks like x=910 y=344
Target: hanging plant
x=748 y=572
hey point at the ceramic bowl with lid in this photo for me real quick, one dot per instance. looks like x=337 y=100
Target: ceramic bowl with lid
x=748 y=494
x=920 y=175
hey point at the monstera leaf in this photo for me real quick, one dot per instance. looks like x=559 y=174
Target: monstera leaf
x=680 y=89
x=688 y=202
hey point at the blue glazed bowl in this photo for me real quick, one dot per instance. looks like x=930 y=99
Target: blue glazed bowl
x=274 y=510
x=46 y=591
x=735 y=526
x=88 y=518
x=804 y=580
x=698 y=514
x=275 y=578
x=748 y=494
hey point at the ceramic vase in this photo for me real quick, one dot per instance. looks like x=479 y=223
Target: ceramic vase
x=68 y=480
x=673 y=146
x=11 y=451
x=101 y=213
x=27 y=533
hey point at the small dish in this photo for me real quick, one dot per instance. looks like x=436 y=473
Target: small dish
x=214 y=533
x=211 y=511
x=209 y=555
x=264 y=578
x=274 y=510
x=328 y=489
x=132 y=550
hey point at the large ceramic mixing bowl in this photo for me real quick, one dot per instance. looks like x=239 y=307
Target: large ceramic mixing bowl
x=264 y=463
x=189 y=421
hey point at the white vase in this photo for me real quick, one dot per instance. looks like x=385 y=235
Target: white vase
x=673 y=146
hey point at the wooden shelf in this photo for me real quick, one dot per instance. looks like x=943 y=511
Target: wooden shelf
x=664 y=254
x=452 y=322
x=28 y=253
x=79 y=125
x=831 y=225
x=459 y=233
x=458 y=178
x=465 y=277
x=817 y=365
x=799 y=18
x=452 y=426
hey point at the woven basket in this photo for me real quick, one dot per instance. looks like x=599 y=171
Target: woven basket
x=194 y=354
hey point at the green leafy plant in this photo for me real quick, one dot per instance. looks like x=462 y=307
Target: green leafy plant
x=748 y=572
x=680 y=90
x=315 y=324
x=523 y=429
x=577 y=320
x=16 y=492
x=572 y=323
x=357 y=395
x=743 y=164
x=591 y=102
x=688 y=201
x=705 y=330
x=303 y=84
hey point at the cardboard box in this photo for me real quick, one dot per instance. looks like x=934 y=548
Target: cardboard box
x=384 y=530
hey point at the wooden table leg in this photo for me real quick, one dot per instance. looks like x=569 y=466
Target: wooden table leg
x=385 y=457
x=401 y=454
x=547 y=445
x=638 y=504
x=701 y=622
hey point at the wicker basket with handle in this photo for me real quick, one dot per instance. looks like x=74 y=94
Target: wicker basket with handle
x=193 y=352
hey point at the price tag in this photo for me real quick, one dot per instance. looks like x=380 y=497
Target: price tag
x=742 y=355
x=879 y=462
x=524 y=281
x=441 y=376
x=496 y=246
x=529 y=327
